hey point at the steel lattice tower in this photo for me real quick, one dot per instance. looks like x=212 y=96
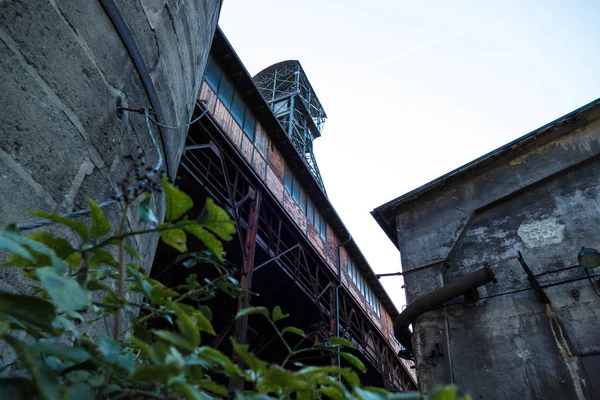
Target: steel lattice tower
x=291 y=97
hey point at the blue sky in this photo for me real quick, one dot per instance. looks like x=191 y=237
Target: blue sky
x=415 y=89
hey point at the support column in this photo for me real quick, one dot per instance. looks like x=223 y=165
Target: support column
x=241 y=325
x=333 y=328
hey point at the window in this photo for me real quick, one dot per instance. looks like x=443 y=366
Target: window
x=238 y=108
x=213 y=73
x=226 y=92
x=289 y=178
x=292 y=185
x=249 y=124
x=323 y=230
x=231 y=99
x=310 y=211
x=363 y=287
x=296 y=191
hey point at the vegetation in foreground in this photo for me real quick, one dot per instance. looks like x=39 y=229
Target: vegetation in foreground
x=99 y=280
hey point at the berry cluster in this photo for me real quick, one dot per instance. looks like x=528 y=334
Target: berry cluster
x=321 y=331
x=139 y=178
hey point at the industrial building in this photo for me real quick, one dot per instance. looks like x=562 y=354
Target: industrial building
x=74 y=76
x=252 y=152
x=500 y=263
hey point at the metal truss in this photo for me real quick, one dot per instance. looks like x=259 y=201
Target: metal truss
x=294 y=102
x=263 y=226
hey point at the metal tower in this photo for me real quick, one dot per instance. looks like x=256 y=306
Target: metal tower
x=291 y=97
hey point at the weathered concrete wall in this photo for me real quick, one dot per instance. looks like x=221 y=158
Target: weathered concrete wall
x=64 y=69
x=542 y=200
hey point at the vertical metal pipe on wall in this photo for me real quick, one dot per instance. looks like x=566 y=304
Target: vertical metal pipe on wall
x=337 y=293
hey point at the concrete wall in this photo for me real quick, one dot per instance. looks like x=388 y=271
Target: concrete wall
x=64 y=69
x=543 y=200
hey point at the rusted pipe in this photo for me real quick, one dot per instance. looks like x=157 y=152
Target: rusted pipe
x=436 y=298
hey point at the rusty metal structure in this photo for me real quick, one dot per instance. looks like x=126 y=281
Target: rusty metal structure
x=279 y=252
x=294 y=102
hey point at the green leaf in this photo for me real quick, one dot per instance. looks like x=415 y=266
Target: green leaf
x=347 y=373
x=175 y=339
x=187 y=327
x=174 y=360
x=77 y=227
x=33 y=310
x=214 y=387
x=209 y=240
x=250 y=359
x=341 y=342
x=206 y=311
x=175 y=238
x=253 y=310
x=60 y=246
x=278 y=315
x=355 y=361
x=151 y=373
x=101 y=256
x=143 y=282
x=145 y=210
x=126 y=361
x=36 y=252
x=449 y=392
x=74 y=261
x=217 y=220
x=109 y=348
x=64 y=352
x=7 y=242
x=65 y=291
x=293 y=330
x=199 y=316
x=332 y=392
x=190 y=393
x=160 y=293
x=276 y=379
x=15 y=260
x=231 y=289
x=140 y=345
x=81 y=391
x=177 y=203
x=203 y=323
x=216 y=357
x=49 y=388
x=100 y=225
x=132 y=251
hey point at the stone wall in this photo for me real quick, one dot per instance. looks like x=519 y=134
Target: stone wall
x=543 y=200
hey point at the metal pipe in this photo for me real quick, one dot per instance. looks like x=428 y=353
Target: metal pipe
x=140 y=65
x=428 y=302
x=337 y=293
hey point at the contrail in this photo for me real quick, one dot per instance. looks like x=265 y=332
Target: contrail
x=419 y=48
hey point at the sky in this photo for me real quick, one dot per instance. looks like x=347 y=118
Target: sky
x=415 y=89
